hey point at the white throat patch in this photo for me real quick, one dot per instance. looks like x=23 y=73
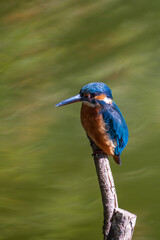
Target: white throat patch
x=89 y=104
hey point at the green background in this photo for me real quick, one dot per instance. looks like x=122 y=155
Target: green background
x=48 y=51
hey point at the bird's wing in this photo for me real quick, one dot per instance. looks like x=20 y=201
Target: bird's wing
x=115 y=126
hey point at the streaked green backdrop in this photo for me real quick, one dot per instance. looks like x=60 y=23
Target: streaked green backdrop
x=48 y=50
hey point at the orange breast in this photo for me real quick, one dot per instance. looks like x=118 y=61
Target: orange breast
x=94 y=126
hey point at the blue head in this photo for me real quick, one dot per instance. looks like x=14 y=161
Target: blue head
x=91 y=93
x=96 y=89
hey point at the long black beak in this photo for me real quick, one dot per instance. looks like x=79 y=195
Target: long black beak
x=76 y=98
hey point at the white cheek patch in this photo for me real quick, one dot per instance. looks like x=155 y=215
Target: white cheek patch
x=107 y=100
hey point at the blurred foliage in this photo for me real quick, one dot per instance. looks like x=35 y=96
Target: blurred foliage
x=48 y=51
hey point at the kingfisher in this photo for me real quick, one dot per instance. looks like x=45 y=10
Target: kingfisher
x=101 y=118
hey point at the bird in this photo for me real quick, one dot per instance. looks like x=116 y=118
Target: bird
x=101 y=119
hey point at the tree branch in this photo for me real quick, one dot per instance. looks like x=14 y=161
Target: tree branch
x=118 y=224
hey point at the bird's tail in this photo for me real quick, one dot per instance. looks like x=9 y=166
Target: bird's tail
x=117 y=159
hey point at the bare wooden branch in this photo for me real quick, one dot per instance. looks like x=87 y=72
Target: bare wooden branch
x=122 y=226
x=118 y=224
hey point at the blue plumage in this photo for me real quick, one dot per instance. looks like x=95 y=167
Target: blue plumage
x=96 y=88
x=101 y=118
x=115 y=126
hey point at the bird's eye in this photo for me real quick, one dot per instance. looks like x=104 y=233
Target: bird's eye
x=92 y=95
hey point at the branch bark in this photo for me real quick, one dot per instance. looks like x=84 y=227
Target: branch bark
x=118 y=224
